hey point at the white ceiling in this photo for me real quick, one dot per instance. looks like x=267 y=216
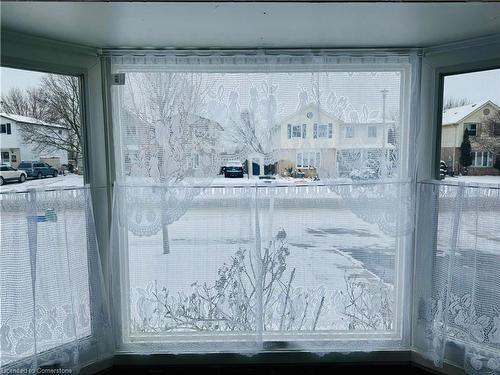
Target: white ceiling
x=233 y=25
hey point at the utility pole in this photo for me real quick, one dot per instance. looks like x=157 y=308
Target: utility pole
x=384 y=136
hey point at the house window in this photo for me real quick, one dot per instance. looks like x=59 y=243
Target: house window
x=323 y=131
x=6 y=128
x=482 y=159
x=57 y=234
x=471 y=129
x=349 y=132
x=372 y=132
x=5 y=157
x=297 y=131
x=496 y=129
x=196 y=161
x=308 y=159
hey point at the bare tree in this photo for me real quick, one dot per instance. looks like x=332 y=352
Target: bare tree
x=244 y=132
x=31 y=102
x=452 y=102
x=171 y=137
x=163 y=107
x=251 y=127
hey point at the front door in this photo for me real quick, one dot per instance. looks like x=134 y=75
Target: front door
x=255 y=168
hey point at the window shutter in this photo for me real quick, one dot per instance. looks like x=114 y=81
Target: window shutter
x=304 y=126
x=289 y=131
x=315 y=131
x=9 y=131
x=330 y=130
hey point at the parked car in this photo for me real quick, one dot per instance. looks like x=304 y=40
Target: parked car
x=37 y=169
x=11 y=174
x=443 y=170
x=233 y=171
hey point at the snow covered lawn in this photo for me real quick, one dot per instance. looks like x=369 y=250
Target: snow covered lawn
x=70 y=180
x=474 y=179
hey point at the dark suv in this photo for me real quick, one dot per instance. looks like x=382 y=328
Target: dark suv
x=233 y=171
x=37 y=169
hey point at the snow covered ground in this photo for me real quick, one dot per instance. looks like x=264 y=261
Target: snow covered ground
x=70 y=180
x=326 y=246
x=73 y=180
x=475 y=179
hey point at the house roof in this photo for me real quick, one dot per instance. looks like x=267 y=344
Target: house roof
x=30 y=120
x=455 y=115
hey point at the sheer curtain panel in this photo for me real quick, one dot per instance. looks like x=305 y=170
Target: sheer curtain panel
x=53 y=309
x=457 y=294
x=264 y=200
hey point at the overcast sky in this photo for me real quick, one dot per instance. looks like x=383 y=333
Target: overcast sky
x=477 y=87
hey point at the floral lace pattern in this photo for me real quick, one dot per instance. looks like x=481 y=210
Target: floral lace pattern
x=51 y=302
x=464 y=309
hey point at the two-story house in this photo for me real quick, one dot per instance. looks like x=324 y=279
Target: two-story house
x=313 y=141
x=13 y=147
x=482 y=123
x=148 y=151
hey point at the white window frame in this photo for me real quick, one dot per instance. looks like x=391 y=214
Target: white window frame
x=22 y=51
x=323 y=130
x=296 y=131
x=482 y=159
x=349 y=131
x=399 y=335
x=372 y=131
x=308 y=159
x=437 y=62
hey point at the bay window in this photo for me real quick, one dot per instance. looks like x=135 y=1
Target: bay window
x=347 y=247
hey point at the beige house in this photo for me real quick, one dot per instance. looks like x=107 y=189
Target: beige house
x=312 y=141
x=479 y=120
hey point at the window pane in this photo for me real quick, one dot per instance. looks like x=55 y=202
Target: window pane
x=206 y=242
x=470 y=117
x=41 y=146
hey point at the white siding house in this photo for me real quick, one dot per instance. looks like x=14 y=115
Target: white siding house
x=13 y=148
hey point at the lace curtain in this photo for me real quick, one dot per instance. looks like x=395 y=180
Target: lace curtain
x=53 y=310
x=262 y=201
x=457 y=283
